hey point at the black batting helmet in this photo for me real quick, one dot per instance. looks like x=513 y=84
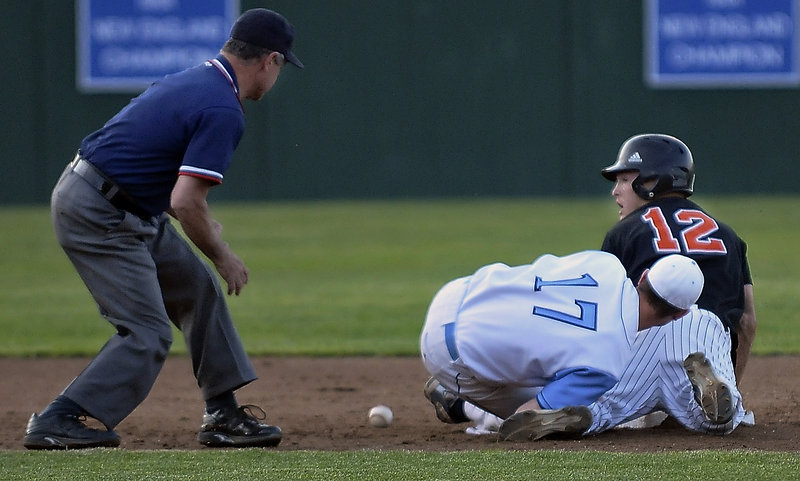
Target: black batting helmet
x=658 y=157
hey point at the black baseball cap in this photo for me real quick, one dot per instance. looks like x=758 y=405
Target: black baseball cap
x=266 y=29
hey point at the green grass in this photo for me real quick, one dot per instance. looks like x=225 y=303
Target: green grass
x=250 y=464
x=334 y=278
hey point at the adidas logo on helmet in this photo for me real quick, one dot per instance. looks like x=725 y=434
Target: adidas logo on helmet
x=635 y=158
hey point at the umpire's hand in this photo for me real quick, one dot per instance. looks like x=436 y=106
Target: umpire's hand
x=189 y=206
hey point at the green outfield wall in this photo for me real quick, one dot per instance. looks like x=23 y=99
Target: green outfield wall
x=419 y=98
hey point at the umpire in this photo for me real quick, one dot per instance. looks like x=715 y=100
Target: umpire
x=159 y=157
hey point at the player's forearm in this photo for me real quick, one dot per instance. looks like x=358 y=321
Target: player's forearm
x=742 y=356
x=746 y=332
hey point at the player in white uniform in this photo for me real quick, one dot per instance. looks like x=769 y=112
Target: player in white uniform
x=555 y=333
x=655 y=385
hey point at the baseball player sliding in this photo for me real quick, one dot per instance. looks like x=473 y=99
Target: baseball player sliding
x=684 y=369
x=551 y=335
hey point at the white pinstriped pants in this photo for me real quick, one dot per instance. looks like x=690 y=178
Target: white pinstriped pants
x=655 y=378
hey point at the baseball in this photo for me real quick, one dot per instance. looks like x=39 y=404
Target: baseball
x=380 y=416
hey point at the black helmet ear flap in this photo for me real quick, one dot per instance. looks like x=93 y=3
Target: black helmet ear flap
x=642 y=191
x=664 y=183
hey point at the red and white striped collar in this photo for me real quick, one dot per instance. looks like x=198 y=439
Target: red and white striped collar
x=221 y=67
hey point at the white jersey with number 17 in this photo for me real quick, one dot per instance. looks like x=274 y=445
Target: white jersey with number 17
x=523 y=325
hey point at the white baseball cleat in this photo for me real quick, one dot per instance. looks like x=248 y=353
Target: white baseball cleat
x=538 y=423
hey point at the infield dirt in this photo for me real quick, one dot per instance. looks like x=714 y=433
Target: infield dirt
x=322 y=404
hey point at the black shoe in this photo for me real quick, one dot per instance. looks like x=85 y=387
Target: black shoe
x=66 y=431
x=237 y=428
x=449 y=408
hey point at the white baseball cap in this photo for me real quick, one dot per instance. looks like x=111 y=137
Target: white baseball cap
x=677 y=279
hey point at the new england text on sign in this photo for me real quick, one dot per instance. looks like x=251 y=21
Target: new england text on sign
x=706 y=43
x=125 y=45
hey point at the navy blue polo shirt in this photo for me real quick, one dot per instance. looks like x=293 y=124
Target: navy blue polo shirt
x=188 y=123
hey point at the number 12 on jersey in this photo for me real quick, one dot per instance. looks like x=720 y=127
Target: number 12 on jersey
x=696 y=237
x=588 y=310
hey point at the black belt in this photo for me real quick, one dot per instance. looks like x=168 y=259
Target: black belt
x=107 y=188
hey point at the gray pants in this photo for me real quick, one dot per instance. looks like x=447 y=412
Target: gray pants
x=143 y=274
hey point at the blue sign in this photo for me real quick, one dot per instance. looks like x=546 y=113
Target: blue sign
x=125 y=45
x=721 y=43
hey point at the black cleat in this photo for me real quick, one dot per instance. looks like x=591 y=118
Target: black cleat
x=235 y=428
x=66 y=431
x=449 y=407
